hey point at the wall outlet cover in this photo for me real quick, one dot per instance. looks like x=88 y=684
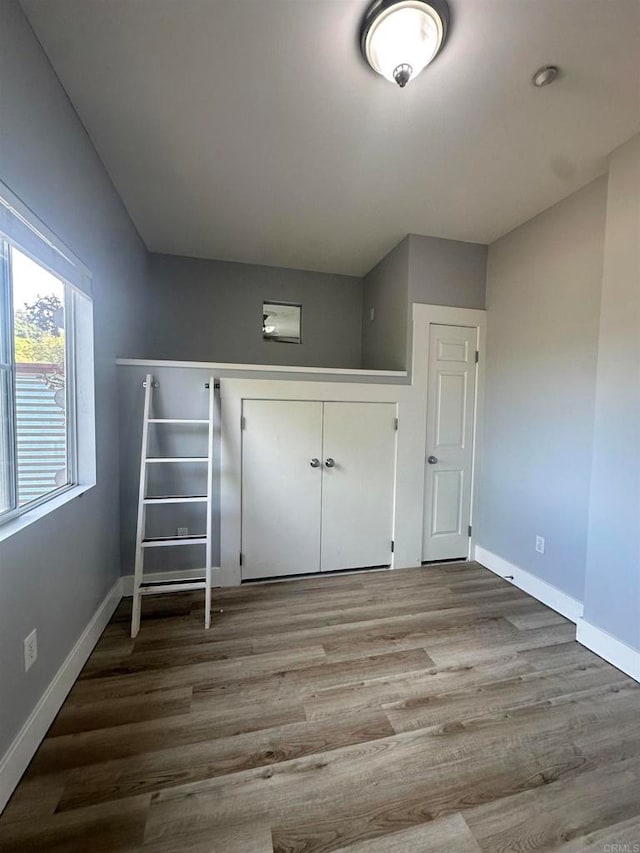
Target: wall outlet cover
x=30 y=650
x=540 y=544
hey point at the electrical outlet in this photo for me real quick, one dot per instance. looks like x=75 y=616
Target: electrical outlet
x=183 y=531
x=540 y=544
x=372 y=314
x=30 y=650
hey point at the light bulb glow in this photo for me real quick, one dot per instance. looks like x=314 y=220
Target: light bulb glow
x=408 y=33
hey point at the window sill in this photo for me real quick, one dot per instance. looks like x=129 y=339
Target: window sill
x=15 y=525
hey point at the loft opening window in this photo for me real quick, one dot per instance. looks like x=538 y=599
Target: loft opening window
x=282 y=322
x=46 y=332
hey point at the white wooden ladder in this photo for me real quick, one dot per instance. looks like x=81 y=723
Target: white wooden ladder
x=177 y=584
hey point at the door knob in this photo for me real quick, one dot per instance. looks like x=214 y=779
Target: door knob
x=315 y=463
x=329 y=462
x=432 y=460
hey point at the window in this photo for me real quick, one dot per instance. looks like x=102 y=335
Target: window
x=45 y=321
x=282 y=322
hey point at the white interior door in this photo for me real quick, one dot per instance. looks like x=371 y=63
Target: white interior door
x=281 y=491
x=450 y=425
x=359 y=442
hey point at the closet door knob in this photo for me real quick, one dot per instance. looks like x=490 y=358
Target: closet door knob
x=315 y=463
x=432 y=460
x=329 y=462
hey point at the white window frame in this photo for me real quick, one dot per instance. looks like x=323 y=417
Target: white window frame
x=20 y=228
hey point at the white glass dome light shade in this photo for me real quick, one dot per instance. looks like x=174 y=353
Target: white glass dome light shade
x=399 y=39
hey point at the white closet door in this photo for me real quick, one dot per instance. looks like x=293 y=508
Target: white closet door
x=450 y=412
x=281 y=491
x=358 y=489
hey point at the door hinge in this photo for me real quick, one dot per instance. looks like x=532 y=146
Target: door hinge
x=240 y=560
x=469 y=530
x=395 y=424
x=243 y=422
x=393 y=546
x=477 y=356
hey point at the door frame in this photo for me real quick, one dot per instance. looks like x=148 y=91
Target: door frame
x=425 y=316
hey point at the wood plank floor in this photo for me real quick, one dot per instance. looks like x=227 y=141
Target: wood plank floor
x=436 y=709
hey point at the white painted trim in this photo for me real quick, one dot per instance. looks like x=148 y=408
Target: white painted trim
x=16 y=759
x=478 y=424
x=617 y=653
x=17 y=208
x=260 y=368
x=424 y=316
x=545 y=592
x=444 y=315
x=159 y=577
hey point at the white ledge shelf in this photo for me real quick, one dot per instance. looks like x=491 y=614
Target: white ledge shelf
x=261 y=368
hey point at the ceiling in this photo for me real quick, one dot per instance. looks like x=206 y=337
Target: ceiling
x=252 y=130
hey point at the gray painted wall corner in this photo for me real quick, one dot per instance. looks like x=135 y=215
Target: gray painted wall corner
x=421 y=269
x=543 y=307
x=612 y=592
x=385 y=292
x=445 y=272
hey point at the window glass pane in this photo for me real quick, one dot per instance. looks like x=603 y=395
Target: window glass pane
x=6 y=453
x=41 y=373
x=5 y=325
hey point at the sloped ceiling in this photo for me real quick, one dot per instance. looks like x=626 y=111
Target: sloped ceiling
x=251 y=130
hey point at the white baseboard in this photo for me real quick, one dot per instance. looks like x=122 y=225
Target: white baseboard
x=545 y=592
x=614 y=651
x=158 y=577
x=16 y=760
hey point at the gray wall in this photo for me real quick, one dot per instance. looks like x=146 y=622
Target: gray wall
x=447 y=272
x=385 y=291
x=612 y=595
x=419 y=269
x=54 y=573
x=543 y=304
x=212 y=311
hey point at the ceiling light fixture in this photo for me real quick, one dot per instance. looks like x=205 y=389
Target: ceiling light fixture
x=399 y=38
x=545 y=75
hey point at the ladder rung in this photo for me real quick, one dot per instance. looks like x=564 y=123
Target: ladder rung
x=177 y=499
x=178 y=421
x=165 y=541
x=152 y=459
x=172 y=586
